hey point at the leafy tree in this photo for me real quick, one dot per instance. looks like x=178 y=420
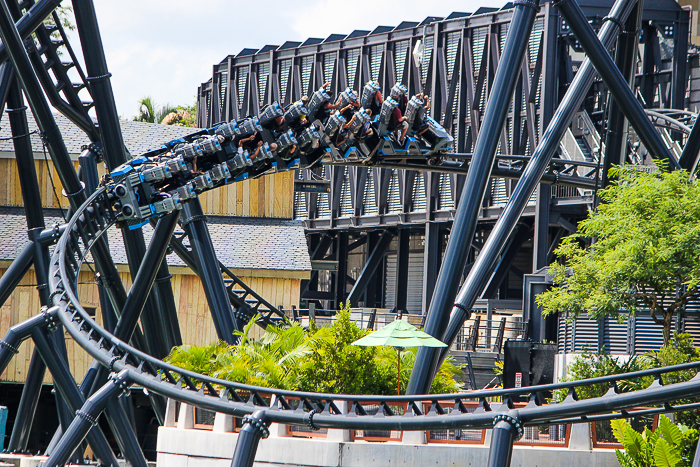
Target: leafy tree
x=644 y=255
x=667 y=446
x=596 y=364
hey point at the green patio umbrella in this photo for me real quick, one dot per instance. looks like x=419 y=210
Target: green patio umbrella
x=399 y=335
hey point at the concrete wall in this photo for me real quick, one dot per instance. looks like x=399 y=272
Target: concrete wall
x=184 y=447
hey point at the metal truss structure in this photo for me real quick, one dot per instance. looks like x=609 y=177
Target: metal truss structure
x=161 y=187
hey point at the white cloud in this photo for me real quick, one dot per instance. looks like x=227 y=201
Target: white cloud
x=166 y=48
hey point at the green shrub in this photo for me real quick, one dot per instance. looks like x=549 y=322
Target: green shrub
x=670 y=445
x=318 y=360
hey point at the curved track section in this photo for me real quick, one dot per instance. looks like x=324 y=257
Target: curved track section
x=96 y=216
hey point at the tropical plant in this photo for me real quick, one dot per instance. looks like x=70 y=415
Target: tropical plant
x=669 y=445
x=595 y=364
x=319 y=360
x=150 y=112
x=646 y=234
x=272 y=361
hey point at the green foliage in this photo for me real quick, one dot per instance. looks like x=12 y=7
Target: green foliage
x=646 y=235
x=669 y=445
x=150 y=112
x=680 y=350
x=336 y=366
x=319 y=360
x=595 y=364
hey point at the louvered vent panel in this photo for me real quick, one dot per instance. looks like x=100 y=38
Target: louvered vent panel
x=353 y=56
x=394 y=199
x=328 y=66
x=498 y=192
x=263 y=73
x=691 y=324
x=306 y=67
x=534 y=48
x=616 y=336
x=345 y=197
x=427 y=53
x=242 y=82
x=585 y=334
x=375 y=60
x=647 y=334
x=324 y=207
x=400 y=52
x=223 y=84
x=502 y=34
x=445 y=200
x=285 y=66
x=369 y=207
x=419 y=200
x=564 y=334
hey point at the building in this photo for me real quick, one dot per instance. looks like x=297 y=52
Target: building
x=250 y=224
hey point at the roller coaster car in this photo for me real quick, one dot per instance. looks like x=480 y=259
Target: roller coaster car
x=269 y=114
x=368 y=92
x=316 y=103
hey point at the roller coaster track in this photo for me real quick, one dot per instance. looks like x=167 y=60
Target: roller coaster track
x=158 y=186
x=133 y=366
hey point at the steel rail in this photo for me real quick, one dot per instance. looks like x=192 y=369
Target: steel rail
x=319 y=409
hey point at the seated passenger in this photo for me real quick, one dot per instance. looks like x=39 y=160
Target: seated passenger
x=399 y=94
x=416 y=123
x=366 y=129
x=372 y=97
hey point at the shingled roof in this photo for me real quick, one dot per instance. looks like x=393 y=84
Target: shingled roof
x=240 y=242
x=139 y=137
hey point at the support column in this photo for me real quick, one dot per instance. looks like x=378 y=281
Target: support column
x=255 y=427
x=540 y=247
x=194 y=223
x=506 y=430
x=497 y=240
x=626 y=60
x=431 y=263
x=86 y=418
x=341 y=255
x=401 y=289
x=474 y=190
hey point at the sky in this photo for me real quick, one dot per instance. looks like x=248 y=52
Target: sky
x=164 y=49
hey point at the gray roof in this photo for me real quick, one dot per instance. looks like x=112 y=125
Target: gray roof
x=139 y=137
x=240 y=242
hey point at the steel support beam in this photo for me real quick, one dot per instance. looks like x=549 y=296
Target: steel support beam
x=598 y=54
x=691 y=150
x=86 y=418
x=505 y=431
x=488 y=256
x=63 y=380
x=626 y=61
x=470 y=203
x=254 y=428
x=374 y=259
x=431 y=262
x=520 y=236
x=401 y=289
x=341 y=255
x=193 y=221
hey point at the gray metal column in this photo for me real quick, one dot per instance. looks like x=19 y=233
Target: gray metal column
x=464 y=225
x=194 y=223
x=626 y=60
x=598 y=54
x=497 y=240
x=431 y=262
x=254 y=428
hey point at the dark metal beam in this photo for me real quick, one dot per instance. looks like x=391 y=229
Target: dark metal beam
x=488 y=256
x=374 y=259
x=471 y=199
x=613 y=79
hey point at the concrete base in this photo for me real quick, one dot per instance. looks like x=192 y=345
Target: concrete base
x=190 y=448
x=19 y=460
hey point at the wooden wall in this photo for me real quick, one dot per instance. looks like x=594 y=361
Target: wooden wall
x=195 y=323
x=267 y=196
